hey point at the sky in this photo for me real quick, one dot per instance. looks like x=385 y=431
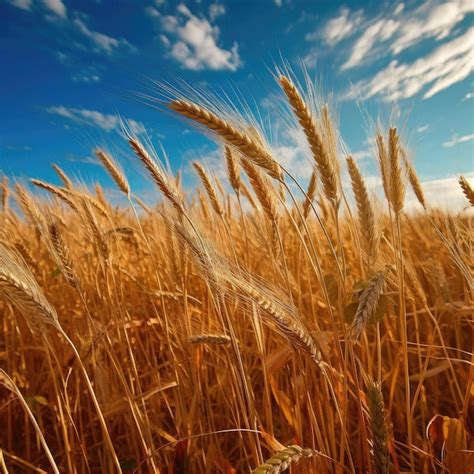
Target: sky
x=71 y=70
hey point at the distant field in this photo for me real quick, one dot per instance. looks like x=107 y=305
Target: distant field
x=250 y=325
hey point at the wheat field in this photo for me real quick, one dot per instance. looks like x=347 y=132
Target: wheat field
x=253 y=324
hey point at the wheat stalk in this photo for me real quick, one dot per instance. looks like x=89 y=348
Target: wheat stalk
x=310 y=193
x=283 y=459
x=245 y=143
x=8 y=382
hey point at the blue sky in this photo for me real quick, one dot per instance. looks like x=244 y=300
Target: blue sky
x=70 y=67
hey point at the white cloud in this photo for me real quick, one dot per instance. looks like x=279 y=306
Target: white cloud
x=102 y=42
x=106 y=122
x=448 y=64
x=193 y=42
x=88 y=77
x=278 y=3
x=216 y=10
x=361 y=155
x=152 y=11
x=468 y=96
x=338 y=28
x=455 y=140
x=56 y=6
x=422 y=129
x=395 y=31
x=22 y=4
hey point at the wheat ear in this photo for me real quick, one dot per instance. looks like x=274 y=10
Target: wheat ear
x=364 y=209
x=114 y=171
x=244 y=142
x=397 y=187
x=62 y=255
x=384 y=164
x=367 y=303
x=262 y=189
x=18 y=285
x=467 y=190
x=211 y=192
x=160 y=179
x=56 y=191
x=232 y=170
x=413 y=179
x=63 y=176
x=219 y=339
x=375 y=405
x=5 y=193
x=283 y=459
x=289 y=326
x=327 y=167
x=102 y=246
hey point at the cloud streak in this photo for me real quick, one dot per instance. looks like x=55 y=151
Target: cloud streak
x=457 y=140
x=448 y=64
x=107 y=122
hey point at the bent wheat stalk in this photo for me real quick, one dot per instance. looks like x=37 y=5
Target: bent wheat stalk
x=19 y=287
x=244 y=142
x=9 y=384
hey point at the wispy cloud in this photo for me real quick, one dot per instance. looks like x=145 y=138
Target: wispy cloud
x=448 y=64
x=368 y=37
x=193 y=41
x=57 y=7
x=107 y=122
x=88 y=76
x=396 y=30
x=338 y=28
x=16 y=148
x=422 y=129
x=216 y=10
x=22 y=4
x=468 y=96
x=455 y=140
x=100 y=41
